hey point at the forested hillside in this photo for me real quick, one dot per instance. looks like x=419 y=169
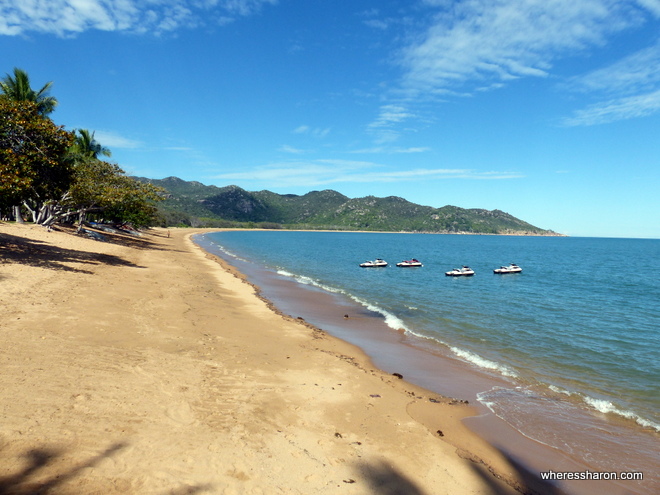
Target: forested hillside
x=195 y=204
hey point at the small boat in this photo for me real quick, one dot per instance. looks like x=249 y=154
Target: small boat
x=409 y=263
x=512 y=268
x=377 y=263
x=465 y=271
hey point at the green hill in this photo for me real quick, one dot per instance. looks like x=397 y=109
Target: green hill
x=195 y=204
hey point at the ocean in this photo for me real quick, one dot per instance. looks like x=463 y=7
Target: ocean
x=572 y=343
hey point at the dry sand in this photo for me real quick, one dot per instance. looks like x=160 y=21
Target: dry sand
x=143 y=365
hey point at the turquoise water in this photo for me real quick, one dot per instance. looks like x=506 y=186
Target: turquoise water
x=578 y=328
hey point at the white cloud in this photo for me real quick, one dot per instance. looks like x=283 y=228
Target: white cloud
x=317 y=132
x=382 y=149
x=628 y=88
x=617 y=109
x=323 y=172
x=179 y=148
x=481 y=45
x=390 y=116
x=374 y=19
x=651 y=5
x=419 y=149
x=112 y=140
x=637 y=72
x=68 y=17
x=477 y=41
x=285 y=148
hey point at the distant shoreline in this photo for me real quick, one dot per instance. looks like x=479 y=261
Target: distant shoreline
x=513 y=234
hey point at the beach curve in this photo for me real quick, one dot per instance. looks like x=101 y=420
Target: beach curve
x=147 y=366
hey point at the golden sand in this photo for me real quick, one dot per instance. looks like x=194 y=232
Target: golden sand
x=144 y=365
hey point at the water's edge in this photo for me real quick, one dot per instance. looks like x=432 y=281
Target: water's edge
x=422 y=363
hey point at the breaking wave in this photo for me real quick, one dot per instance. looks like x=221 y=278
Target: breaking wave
x=391 y=320
x=483 y=362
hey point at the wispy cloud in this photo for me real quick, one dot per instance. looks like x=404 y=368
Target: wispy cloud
x=385 y=127
x=317 y=132
x=626 y=89
x=482 y=45
x=374 y=19
x=179 y=148
x=638 y=72
x=323 y=172
x=285 y=148
x=68 y=17
x=651 y=5
x=616 y=109
x=384 y=149
x=476 y=43
x=113 y=140
x=391 y=114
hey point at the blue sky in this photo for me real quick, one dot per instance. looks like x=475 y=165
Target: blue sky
x=546 y=109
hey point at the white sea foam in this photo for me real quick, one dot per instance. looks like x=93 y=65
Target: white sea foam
x=483 y=362
x=302 y=279
x=605 y=407
x=227 y=252
x=489 y=403
x=391 y=320
x=559 y=390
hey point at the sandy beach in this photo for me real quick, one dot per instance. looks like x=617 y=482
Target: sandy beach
x=144 y=365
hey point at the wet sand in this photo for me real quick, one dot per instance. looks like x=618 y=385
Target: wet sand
x=426 y=365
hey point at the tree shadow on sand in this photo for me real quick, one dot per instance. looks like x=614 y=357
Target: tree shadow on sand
x=124 y=238
x=32 y=481
x=27 y=481
x=527 y=481
x=384 y=479
x=14 y=249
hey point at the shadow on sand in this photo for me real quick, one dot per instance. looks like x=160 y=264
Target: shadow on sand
x=526 y=482
x=31 y=480
x=25 y=251
x=384 y=479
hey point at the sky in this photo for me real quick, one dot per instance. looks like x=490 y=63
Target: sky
x=546 y=109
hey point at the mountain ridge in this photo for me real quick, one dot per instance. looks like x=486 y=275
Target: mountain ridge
x=195 y=204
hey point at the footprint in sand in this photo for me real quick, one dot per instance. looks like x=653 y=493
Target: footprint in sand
x=181 y=413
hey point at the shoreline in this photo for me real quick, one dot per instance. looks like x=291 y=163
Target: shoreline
x=141 y=365
x=531 y=452
x=511 y=234
x=468 y=445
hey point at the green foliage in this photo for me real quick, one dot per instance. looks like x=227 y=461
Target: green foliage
x=85 y=146
x=205 y=206
x=56 y=174
x=17 y=88
x=103 y=187
x=33 y=153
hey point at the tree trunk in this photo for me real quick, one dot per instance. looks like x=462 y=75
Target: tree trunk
x=81 y=221
x=18 y=215
x=32 y=212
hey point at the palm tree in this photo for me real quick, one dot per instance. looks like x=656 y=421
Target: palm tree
x=17 y=88
x=85 y=145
